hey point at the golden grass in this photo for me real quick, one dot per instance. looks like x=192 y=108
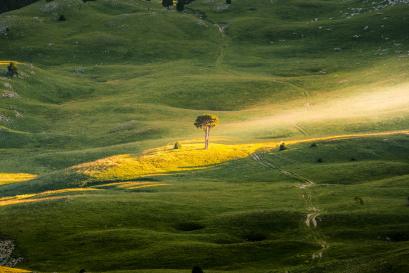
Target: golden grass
x=163 y=160
x=39 y=197
x=192 y=156
x=4 y=269
x=8 y=62
x=10 y=178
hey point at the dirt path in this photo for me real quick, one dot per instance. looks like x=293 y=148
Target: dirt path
x=223 y=45
x=221 y=29
x=313 y=212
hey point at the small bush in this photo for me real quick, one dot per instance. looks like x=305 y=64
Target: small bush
x=353 y=159
x=12 y=70
x=320 y=160
x=313 y=145
x=62 y=18
x=197 y=269
x=282 y=147
x=177 y=146
x=228 y=2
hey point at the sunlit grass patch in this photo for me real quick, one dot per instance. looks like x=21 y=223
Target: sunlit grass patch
x=164 y=160
x=10 y=178
x=3 y=62
x=192 y=156
x=39 y=197
x=4 y=269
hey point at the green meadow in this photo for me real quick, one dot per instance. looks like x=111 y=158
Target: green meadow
x=89 y=178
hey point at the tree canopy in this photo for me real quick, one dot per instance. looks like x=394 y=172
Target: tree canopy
x=207 y=122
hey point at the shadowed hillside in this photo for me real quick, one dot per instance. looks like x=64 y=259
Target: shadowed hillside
x=7 y=5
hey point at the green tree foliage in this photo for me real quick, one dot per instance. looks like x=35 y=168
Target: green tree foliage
x=206 y=122
x=180 y=5
x=167 y=3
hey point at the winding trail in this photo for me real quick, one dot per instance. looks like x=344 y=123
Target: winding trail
x=221 y=29
x=223 y=45
x=313 y=212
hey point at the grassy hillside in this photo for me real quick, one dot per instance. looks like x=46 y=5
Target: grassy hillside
x=235 y=216
x=88 y=176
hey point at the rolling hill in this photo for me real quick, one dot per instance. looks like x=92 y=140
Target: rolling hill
x=88 y=175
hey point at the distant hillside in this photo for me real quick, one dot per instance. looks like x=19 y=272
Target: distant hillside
x=7 y=5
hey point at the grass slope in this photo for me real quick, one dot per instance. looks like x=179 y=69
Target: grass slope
x=97 y=92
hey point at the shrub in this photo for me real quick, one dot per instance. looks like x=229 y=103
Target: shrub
x=320 y=160
x=12 y=70
x=228 y=2
x=177 y=146
x=62 y=18
x=282 y=147
x=313 y=145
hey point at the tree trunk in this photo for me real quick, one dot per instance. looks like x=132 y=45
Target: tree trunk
x=207 y=132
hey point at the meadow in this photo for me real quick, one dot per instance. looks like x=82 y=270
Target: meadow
x=89 y=178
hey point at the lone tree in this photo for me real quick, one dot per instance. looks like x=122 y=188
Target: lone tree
x=206 y=122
